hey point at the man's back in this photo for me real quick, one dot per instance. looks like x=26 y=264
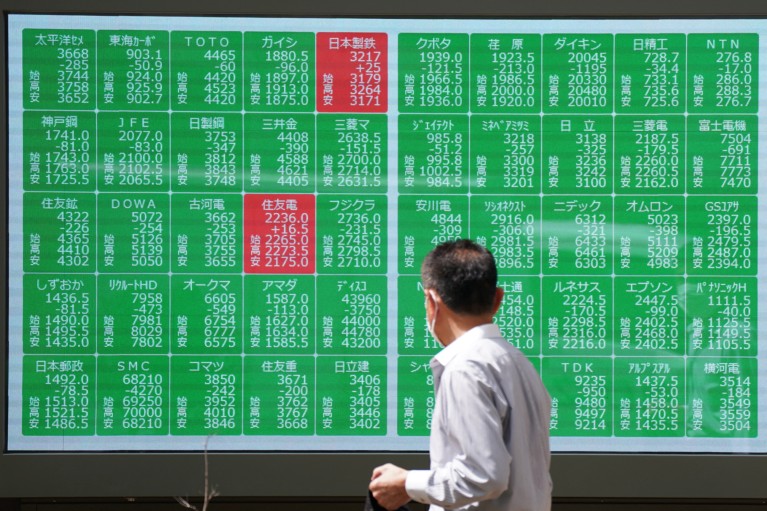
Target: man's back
x=487 y=388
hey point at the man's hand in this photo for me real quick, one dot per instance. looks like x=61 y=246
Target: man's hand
x=387 y=485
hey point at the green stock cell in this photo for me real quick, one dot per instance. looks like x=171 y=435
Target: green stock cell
x=207 y=152
x=511 y=229
x=649 y=316
x=722 y=155
x=279 y=71
x=505 y=154
x=134 y=235
x=577 y=315
x=59 y=232
x=206 y=395
x=134 y=396
x=581 y=392
x=59 y=151
x=577 y=73
x=413 y=337
x=279 y=315
x=134 y=151
x=433 y=73
x=577 y=154
x=59 y=314
x=351 y=233
x=649 y=235
x=59 y=68
x=415 y=396
x=722 y=316
x=279 y=396
x=352 y=153
x=505 y=73
x=58 y=396
x=134 y=70
x=133 y=315
x=280 y=153
x=650 y=74
x=649 y=397
x=207 y=233
x=433 y=151
x=722 y=73
x=206 y=314
x=207 y=71
x=518 y=316
x=351 y=317
x=577 y=235
x=351 y=395
x=722 y=397
x=650 y=154
x=722 y=235
x=424 y=223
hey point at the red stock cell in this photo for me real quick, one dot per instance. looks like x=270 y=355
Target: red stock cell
x=279 y=233
x=352 y=72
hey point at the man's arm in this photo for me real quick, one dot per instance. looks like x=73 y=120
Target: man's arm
x=480 y=468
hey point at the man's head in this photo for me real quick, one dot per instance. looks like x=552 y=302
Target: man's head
x=464 y=276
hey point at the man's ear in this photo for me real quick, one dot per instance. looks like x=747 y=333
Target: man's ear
x=432 y=300
x=497 y=300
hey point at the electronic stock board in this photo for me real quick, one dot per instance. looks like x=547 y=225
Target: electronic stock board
x=215 y=227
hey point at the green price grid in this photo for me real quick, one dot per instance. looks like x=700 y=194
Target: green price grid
x=218 y=233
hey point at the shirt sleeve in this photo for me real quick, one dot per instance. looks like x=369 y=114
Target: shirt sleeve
x=480 y=467
x=416 y=483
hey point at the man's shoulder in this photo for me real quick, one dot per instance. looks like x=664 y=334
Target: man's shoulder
x=486 y=351
x=496 y=346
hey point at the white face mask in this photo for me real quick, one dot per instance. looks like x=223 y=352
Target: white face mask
x=430 y=324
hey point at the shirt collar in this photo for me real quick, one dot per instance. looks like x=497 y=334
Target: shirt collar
x=464 y=342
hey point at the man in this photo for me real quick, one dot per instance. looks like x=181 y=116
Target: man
x=489 y=443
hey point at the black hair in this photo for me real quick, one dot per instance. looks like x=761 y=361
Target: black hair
x=463 y=274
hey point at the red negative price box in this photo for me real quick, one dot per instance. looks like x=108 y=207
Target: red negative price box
x=352 y=72
x=279 y=233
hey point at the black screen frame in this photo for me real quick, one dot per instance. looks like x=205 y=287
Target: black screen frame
x=300 y=474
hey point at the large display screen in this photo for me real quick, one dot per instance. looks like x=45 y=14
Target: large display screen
x=215 y=227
